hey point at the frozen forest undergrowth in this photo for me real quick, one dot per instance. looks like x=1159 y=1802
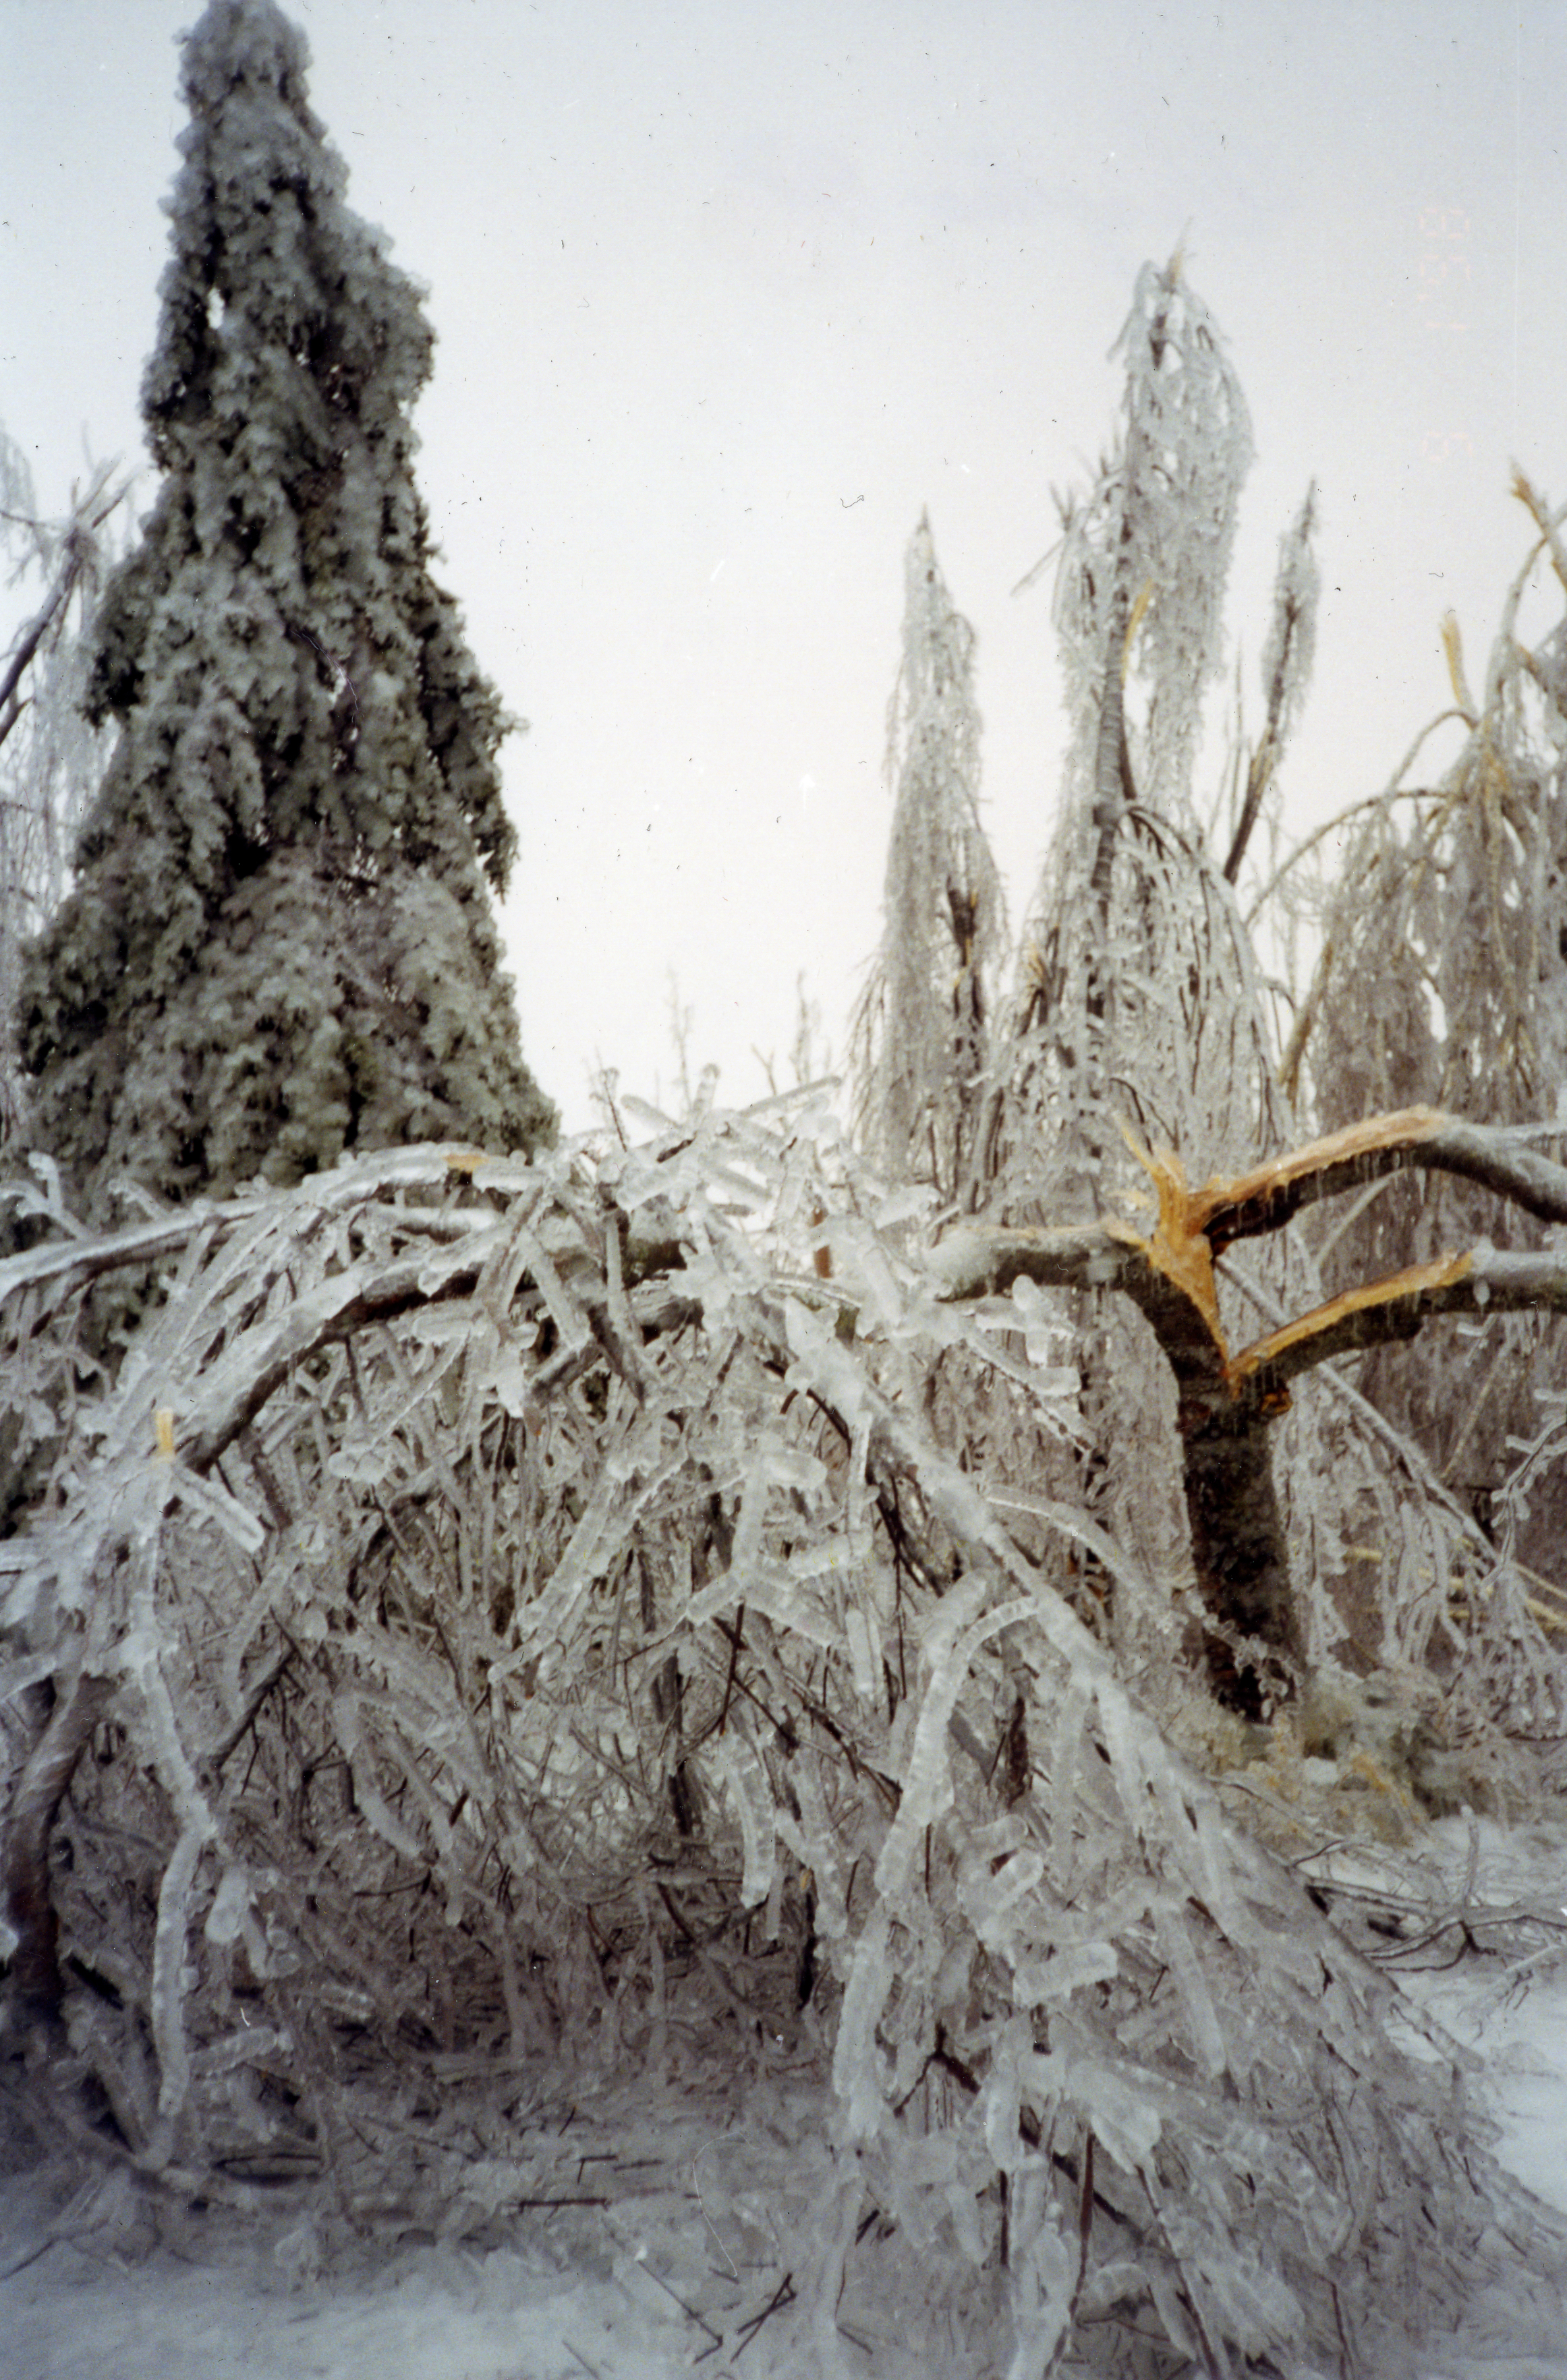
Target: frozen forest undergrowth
x=512 y=1628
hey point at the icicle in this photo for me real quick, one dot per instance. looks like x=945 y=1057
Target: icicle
x=564 y=1312
x=366 y=1794
x=213 y=1502
x=1039 y=2277
x=857 y=2081
x=1202 y=2018
x=863 y=1661
x=818 y=1849
x=948 y=1651
x=737 y=1763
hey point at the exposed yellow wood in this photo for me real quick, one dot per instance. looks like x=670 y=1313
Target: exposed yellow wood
x=1145 y=597
x=1406 y=1128
x=1179 y=1248
x=1369 y=1295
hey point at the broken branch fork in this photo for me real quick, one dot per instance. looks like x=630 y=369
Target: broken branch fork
x=1170 y=1274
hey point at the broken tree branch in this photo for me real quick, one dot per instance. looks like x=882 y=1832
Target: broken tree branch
x=1227 y=1402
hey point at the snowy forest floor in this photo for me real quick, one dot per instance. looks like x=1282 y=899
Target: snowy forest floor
x=674 y=2256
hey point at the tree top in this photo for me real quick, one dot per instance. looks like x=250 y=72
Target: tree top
x=262 y=235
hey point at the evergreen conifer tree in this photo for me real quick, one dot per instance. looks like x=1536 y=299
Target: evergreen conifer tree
x=279 y=945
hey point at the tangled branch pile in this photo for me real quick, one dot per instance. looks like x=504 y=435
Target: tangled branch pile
x=525 y=1620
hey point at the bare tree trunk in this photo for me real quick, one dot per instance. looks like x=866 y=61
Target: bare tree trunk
x=1238 y=1547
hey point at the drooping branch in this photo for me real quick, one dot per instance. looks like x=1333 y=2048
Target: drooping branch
x=1286 y=667
x=77 y=567
x=32 y=636
x=36 y=1987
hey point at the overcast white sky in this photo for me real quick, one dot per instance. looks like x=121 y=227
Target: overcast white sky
x=727 y=292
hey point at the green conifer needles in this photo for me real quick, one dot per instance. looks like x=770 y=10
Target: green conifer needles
x=279 y=945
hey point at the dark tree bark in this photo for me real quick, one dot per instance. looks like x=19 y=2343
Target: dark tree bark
x=1226 y=1402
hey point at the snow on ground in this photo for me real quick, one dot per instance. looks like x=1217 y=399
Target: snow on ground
x=1504 y=2004
x=680 y=2210
x=1517 y=2025
x=599 y=2289
x=439 y=2318
x=1519 y=2028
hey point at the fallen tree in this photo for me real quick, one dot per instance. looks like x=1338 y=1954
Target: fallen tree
x=507 y=1620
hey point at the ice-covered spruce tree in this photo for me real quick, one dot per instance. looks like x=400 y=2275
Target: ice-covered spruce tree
x=279 y=945
x=923 y=1026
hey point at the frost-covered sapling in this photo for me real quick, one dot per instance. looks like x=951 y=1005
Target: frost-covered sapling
x=922 y=1033
x=50 y=759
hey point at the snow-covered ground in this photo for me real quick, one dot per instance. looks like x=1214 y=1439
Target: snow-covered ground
x=614 y=2289
x=1520 y=2030
x=1518 y=2026
x=441 y=2318
x=1512 y=2015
